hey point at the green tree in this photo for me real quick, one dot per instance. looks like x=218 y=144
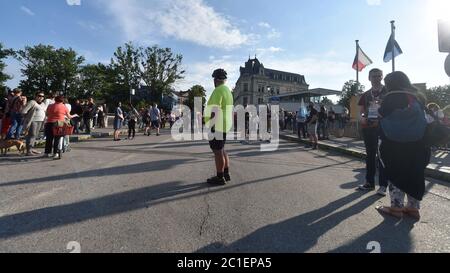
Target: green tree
x=66 y=70
x=48 y=69
x=196 y=91
x=439 y=95
x=350 y=89
x=125 y=65
x=4 y=53
x=95 y=80
x=160 y=69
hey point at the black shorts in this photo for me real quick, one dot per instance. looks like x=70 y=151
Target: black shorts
x=155 y=124
x=217 y=145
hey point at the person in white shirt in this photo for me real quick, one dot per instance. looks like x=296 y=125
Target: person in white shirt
x=34 y=113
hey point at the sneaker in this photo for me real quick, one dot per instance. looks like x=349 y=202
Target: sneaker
x=366 y=187
x=48 y=155
x=217 y=181
x=382 y=191
x=227 y=177
x=56 y=156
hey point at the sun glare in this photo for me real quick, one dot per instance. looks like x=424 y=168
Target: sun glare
x=438 y=9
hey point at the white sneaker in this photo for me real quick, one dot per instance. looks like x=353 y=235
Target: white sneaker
x=382 y=191
x=56 y=156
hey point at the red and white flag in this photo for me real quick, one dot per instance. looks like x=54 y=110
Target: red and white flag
x=361 y=60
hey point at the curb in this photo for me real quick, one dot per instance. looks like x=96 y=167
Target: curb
x=429 y=172
x=79 y=138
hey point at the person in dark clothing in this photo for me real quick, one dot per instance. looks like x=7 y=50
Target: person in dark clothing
x=132 y=118
x=370 y=103
x=76 y=110
x=311 y=122
x=404 y=161
x=323 y=118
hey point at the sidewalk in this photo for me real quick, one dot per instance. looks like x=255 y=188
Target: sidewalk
x=439 y=167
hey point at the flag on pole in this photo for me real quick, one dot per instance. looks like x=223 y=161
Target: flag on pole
x=361 y=60
x=392 y=45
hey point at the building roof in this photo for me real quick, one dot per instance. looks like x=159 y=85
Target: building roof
x=314 y=92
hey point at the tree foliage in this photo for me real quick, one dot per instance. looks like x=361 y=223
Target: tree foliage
x=125 y=64
x=160 y=69
x=439 y=95
x=350 y=89
x=196 y=91
x=48 y=69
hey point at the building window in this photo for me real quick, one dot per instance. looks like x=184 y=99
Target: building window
x=245 y=87
x=245 y=101
x=278 y=91
x=260 y=101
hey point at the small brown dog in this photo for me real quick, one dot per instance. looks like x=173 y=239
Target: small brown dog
x=6 y=144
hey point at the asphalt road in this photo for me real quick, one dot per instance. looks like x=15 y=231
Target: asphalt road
x=150 y=195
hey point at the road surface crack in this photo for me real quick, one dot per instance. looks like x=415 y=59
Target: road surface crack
x=208 y=213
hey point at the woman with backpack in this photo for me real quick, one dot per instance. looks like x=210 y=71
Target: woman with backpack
x=404 y=151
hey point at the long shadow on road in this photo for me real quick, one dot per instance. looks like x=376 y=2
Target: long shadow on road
x=47 y=218
x=117 y=170
x=298 y=234
x=51 y=217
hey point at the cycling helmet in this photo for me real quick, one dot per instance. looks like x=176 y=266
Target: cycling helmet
x=219 y=74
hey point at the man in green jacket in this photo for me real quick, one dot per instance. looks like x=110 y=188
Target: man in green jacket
x=220 y=108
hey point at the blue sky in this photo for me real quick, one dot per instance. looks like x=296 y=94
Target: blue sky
x=315 y=38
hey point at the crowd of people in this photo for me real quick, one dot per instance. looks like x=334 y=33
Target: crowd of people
x=314 y=122
x=34 y=118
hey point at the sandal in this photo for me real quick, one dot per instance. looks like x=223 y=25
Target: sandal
x=395 y=212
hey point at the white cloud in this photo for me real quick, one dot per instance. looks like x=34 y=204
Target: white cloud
x=264 y=52
x=200 y=73
x=187 y=20
x=27 y=10
x=373 y=2
x=90 y=25
x=273 y=34
x=73 y=2
x=264 y=24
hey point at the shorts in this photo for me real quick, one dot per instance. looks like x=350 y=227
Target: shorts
x=117 y=124
x=155 y=123
x=312 y=129
x=217 y=145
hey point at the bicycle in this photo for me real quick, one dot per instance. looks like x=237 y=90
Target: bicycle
x=63 y=131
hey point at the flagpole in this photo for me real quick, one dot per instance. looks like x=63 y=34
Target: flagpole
x=393 y=44
x=357 y=61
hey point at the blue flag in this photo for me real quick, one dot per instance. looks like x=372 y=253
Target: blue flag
x=388 y=52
